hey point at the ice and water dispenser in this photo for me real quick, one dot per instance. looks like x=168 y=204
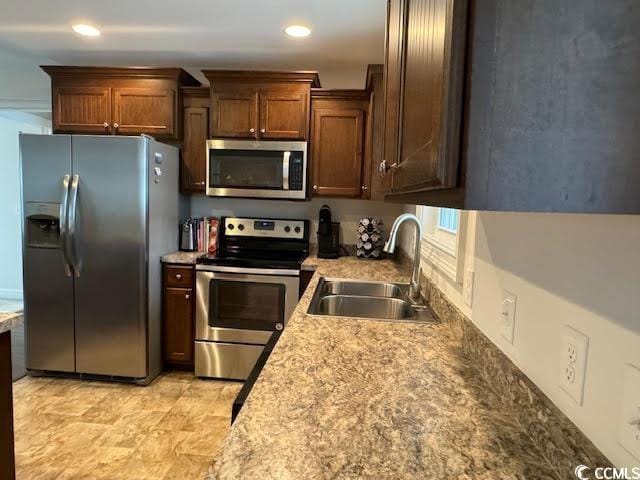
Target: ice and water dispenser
x=42 y=225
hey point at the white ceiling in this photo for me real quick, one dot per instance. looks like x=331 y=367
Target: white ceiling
x=346 y=34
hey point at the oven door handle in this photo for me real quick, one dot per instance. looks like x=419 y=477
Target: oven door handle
x=285 y=170
x=245 y=276
x=267 y=273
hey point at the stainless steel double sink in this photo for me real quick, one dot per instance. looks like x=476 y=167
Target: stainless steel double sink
x=371 y=300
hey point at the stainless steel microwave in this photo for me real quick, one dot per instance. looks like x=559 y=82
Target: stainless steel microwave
x=246 y=168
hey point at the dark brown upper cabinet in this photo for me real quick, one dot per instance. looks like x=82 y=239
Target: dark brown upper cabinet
x=196 y=130
x=339 y=143
x=260 y=105
x=492 y=106
x=118 y=101
x=423 y=98
x=234 y=113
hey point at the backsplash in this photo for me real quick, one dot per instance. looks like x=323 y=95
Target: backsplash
x=559 y=442
x=347 y=212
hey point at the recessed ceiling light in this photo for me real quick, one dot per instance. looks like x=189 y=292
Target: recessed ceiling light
x=86 y=30
x=297 y=31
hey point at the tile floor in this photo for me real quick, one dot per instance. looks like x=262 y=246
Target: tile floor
x=78 y=429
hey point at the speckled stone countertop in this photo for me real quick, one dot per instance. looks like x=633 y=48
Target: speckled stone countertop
x=358 y=399
x=182 y=258
x=10 y=320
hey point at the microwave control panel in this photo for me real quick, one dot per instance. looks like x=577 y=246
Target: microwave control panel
x=296 y=171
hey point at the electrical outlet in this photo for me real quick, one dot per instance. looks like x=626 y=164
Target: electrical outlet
x=629 y=431
x=467 y=288
x=575 y=346
x=508 y=315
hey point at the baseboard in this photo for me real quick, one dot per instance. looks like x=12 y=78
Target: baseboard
x=10 y=294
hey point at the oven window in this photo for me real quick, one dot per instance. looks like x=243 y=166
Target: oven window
x=246 y=305
x=245 y=169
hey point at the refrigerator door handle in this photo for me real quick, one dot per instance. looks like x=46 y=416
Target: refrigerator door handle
x=64 y=236
x=73 y=220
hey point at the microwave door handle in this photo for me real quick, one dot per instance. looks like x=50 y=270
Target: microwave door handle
x=285 y=170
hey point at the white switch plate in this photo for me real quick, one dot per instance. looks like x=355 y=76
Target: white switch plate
x=629 y=431
x=573 y=368
x=467 y=288
x=508 y=315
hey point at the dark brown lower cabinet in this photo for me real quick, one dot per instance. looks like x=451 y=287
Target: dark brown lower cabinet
x=7 y=456
x=178 y=317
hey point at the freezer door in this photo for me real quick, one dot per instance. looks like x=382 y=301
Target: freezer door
x=48 y=284
x=108 y=230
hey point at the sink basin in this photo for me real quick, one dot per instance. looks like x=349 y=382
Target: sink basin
x=363 y=289
x=370 y=300
x=365 y=307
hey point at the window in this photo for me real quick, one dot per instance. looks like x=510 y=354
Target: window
x=448 y=219
x=443 y=240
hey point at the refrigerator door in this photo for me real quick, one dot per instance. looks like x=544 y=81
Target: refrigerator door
x=48 y=284
x=108 y=234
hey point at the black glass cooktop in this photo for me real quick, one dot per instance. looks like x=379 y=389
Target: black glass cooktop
x=265 y=259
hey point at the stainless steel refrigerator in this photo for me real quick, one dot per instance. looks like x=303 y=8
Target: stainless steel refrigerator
x=99 y=212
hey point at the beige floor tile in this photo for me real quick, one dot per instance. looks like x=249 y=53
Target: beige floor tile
x=75 y=429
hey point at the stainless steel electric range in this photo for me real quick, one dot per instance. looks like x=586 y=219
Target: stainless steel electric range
x=246 y=291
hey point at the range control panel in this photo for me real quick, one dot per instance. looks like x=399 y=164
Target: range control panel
x=257 y=227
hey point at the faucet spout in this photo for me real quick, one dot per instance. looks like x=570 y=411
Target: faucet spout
x=390 y=246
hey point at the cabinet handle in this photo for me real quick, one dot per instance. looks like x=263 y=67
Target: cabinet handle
x=105 y=124
x=200 y=184
x=364 y=187
x=187 y=296
x=252 y=130
x=115 y=125
x=263 y=130
x=178 y=276
x=384 y=167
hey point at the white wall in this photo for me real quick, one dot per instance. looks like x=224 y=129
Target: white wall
x=23 y=84
x=11 y=123
x=347 y=212
x=577 y=270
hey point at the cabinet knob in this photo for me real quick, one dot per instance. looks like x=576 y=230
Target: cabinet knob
x=364 y=187
x=187 y=296
x=263 y=130
x=315 y=188
x=178 y=276
x=115 y=125
x=105 y=124
x=252 y=130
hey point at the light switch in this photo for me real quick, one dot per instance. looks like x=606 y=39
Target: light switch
x=629 y=430
x=508 y=315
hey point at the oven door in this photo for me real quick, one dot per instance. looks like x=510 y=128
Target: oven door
x=237 y=168
x=239 y=307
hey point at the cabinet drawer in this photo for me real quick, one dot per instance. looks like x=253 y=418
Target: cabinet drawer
x=178 y=276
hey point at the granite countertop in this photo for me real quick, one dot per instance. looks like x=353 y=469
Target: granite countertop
x=182 y=258
x=359 y=399
x=9 y=319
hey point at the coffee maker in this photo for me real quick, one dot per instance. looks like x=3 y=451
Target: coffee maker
x=328 y=235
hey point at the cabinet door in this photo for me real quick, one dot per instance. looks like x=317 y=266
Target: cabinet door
x=178 y=325
x=234 y=114
x=337 y=145
x=426 y=67
x=82 y=110
x=194 y=158
x=144 y=110
x=283 y=116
